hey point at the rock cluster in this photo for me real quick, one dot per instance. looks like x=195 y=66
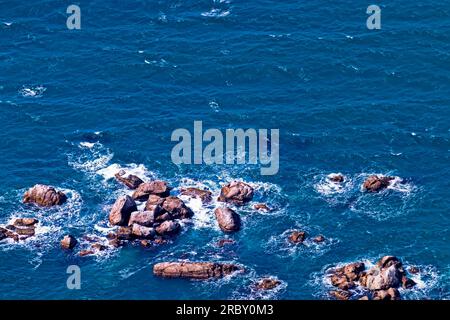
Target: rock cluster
x=20 y=229
x=298 y=237
x=380 y=282
x=194 y=270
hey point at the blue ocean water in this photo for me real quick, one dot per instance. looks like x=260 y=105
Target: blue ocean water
x=78 y=105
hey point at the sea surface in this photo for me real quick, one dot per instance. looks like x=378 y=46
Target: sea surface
x=78 y=105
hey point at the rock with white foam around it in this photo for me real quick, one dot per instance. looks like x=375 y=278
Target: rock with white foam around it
x=45 y=196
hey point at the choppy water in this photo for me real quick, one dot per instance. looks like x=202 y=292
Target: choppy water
x=75 y=106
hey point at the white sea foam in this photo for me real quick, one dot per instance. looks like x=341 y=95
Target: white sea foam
x=32 y=91
x=136 y=169
x=327 y=187
x=216 y=13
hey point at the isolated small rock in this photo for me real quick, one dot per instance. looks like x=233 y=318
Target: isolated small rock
x=223 y=242
x=376 y=183
x=261 y=207
x=229 y=220
x=131 y=181
x=336 y=177
x=43 y=195
x=236 y=192
x=297 y=237
x=68 y=242
x=319 y=239
x=121 y=211
x=267 y=284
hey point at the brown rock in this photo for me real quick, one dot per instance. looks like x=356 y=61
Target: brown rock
x=68 y=242
x=168 y=228
x=98 y=247
x=142 y=232
x=297 y=237
x=27 y=232
x=3 y=233
x=143 y=218
x=267 y=284
x=390 y=294
x=353 y=270
x=152 y=201
x=261 y=207
x=124 y=233
x=121 y=211
x=159 y=241
x=319 y=239
x=146 y=243
x=193 y=270
x=204 y=195
x=131 y=181
x=229 y=221
x=341 y=295
x=236 y=192
x=376 y=183
x=383 y=278
x=176 y=208
x=341 y=281
x=157 y=187
x=25 y=222
x=223 y=242
x=116 y=243
x=45 y=196
x=388 y=261
x=364 y=298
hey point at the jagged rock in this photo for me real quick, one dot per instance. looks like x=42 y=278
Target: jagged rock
x=25 y=232
x=143 y=218
x=193 y=270
x=297 y=237
x=45 y=196
x=267 y=284
x=376 y=183
x=337 y=178
x=379 y=278
x=168 y=228
x=204 y=195
x=176 y=208
x=131 y=181
x=142 y=232
x=261 y=207
x=229 y=220
x=236 y=192
x=223 y=242
x=319 y=239
x=68 y=242
x=341 y=295
x=145 y=243
x=157 y=187
x=24 y=222
x=121 y=211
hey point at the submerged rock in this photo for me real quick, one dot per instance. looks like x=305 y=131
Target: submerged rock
x=45 y=196
x=157 y=187
x=261 y=207
x=267 y=284
x=131 y=181
x=376 y=183
x=236 y=192
x=319 y=239
x=223 y=242
x=194 y=270
x=336 y=177
x=229 y=220
x=68 y=242
x=204 y=195
x=297 y=237
x=121 y=211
